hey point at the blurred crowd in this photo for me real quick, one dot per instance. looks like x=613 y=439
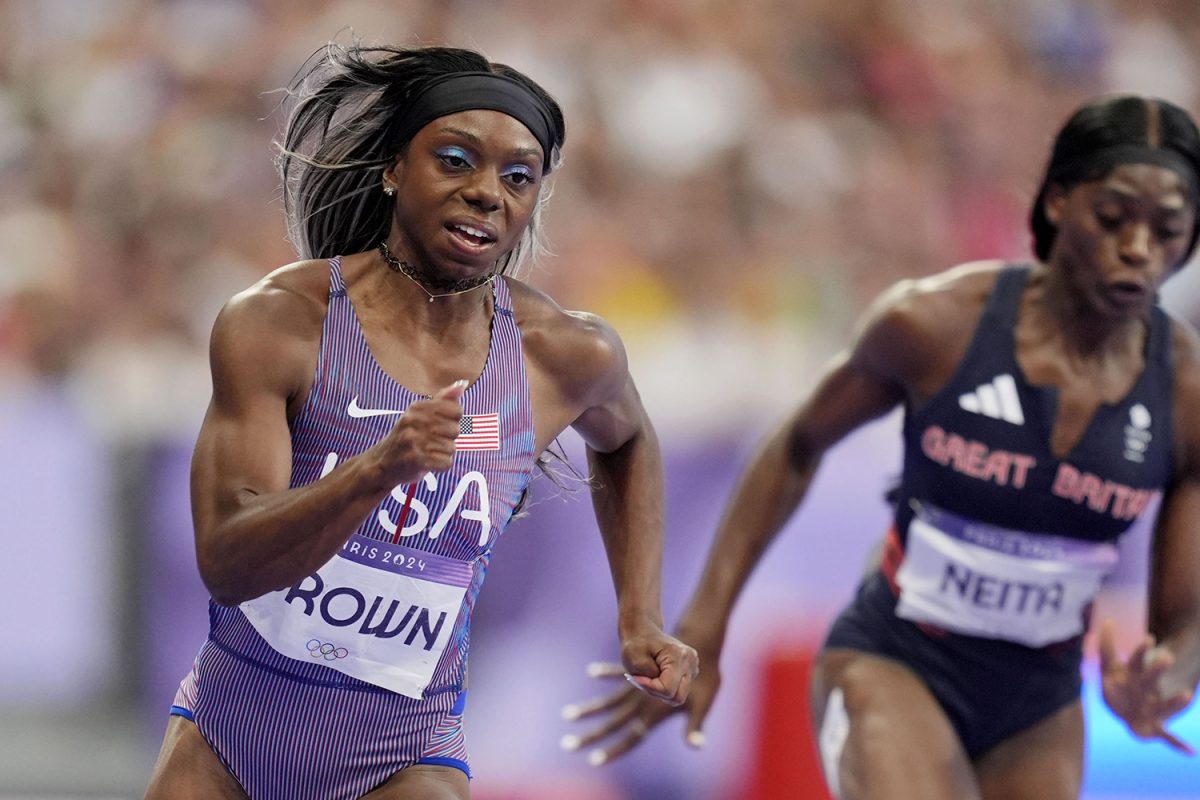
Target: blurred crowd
x=738 y=177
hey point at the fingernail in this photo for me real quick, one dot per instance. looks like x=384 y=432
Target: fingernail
x=569 y=742
x=696 y=739
x=1150 y=655
x=597 y=757
x=570 y=712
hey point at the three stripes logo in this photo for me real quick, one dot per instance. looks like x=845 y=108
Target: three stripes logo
x=997 y=399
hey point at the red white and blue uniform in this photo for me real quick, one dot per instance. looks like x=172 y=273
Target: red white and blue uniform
x=330 y=687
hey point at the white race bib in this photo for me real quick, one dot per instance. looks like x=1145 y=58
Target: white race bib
x=377 y=611
x=980 y=580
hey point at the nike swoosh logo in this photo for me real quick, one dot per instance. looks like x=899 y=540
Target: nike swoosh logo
x=355 y=411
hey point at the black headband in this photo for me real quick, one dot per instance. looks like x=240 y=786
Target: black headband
x=465 y=91
x=1102 y=161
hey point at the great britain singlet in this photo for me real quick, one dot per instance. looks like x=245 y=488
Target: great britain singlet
x=999 y=545
x=981 y=446
x=1000 y=536
x=359 y=664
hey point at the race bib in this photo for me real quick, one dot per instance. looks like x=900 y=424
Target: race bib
x=376 y=611
x=980 y=580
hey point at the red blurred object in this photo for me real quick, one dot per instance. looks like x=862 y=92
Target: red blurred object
x=785 y=763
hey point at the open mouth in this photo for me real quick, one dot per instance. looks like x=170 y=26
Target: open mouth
x=476 y=237
x=1126 y=292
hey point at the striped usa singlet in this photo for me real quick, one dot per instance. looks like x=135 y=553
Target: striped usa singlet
x=295 y=726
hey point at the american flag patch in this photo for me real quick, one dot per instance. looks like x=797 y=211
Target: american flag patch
x=480 y=432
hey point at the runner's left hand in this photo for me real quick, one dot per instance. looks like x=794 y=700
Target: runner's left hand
x=1134 y=690
x=660 y=665
x=629 y=713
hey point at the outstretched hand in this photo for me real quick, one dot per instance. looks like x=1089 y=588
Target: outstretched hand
x=1133 y=688
x=629 y=713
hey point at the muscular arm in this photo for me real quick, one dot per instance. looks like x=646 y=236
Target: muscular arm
x=253 y=533
x=627 y=488
x=1174 y=603
x=871 y=378
x=908 y=345
x=1174 y=606
x=579 y=376
x=1158 y=679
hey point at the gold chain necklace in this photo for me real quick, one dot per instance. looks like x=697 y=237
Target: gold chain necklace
x=451 y=287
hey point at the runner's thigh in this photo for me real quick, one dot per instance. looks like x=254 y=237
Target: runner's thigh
x=188 y=769
x=424 y=782
x=898 y=744
x=1044 y=762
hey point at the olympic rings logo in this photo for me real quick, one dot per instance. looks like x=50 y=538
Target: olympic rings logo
x=325 y=650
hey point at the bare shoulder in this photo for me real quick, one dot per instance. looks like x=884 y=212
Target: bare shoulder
x=941 y=301
x=1185 y=345
x=920 y=322
x=580 y=349
x=1185 y=353
x=295 y=293
x=271 y=329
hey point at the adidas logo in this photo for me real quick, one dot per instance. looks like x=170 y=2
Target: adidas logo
x=996 y=399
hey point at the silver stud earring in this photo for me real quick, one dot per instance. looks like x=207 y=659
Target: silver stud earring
x=389 y=190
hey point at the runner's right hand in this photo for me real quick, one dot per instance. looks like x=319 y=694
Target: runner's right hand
x=422 y=440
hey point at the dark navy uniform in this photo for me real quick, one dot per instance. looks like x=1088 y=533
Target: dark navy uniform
x=999 y=546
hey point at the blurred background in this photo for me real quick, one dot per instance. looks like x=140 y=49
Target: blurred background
x=741 y=178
